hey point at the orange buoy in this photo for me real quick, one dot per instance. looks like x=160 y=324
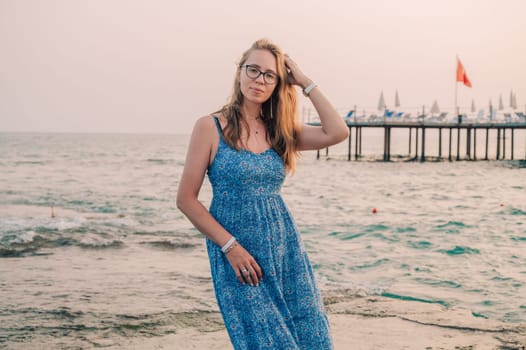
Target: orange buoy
x=374 y=211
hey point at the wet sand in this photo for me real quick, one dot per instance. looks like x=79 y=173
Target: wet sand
x=375 y=323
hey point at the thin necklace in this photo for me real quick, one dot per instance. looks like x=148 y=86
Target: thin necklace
x=256 y=131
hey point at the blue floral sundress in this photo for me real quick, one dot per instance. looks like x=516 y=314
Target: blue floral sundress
x=285 y=311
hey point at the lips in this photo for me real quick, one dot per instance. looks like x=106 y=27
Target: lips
x=258 y=91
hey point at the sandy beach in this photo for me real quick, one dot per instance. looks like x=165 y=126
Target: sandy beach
x=365 y=323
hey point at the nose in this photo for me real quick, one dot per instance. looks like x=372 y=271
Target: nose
x=260 y=79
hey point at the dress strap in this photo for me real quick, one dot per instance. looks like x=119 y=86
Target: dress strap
x=218 y=125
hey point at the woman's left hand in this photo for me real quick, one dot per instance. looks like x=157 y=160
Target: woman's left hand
x=295 y=75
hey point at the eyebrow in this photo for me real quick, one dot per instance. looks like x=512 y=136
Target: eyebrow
x=257 y=65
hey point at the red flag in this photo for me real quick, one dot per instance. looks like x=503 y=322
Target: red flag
x=461 y=74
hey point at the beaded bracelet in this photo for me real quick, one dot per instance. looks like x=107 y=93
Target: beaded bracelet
x=235 y=244
x=308 y=89
x=228 y=245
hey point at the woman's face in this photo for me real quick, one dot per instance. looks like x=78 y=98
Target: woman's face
x=258 y=90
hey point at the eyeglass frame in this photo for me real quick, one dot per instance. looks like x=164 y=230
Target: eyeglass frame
x=246 y=66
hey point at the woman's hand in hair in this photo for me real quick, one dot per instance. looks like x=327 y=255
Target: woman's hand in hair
x=295 y=75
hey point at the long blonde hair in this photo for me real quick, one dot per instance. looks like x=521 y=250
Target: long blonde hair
x=278 y=112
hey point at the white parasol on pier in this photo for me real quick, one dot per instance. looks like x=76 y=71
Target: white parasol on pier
x=397 y=99
x=434 y=108
x=513 y=102
x=491 y=110
x=381 y=102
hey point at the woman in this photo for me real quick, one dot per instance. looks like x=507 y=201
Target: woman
x=262 y=277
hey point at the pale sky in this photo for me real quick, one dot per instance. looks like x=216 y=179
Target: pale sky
x=156 y=66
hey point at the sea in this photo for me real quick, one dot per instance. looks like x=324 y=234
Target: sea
x=93 y=248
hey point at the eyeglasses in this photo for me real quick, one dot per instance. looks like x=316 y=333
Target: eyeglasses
x=253 y=72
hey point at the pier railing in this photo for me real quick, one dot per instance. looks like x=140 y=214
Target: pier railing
x=416 y=136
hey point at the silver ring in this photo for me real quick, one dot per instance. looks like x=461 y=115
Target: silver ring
x=244 y=270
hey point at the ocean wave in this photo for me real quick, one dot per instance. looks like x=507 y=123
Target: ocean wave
x=169 y=245
x=18 y=226
x=30 y=162
x=341 y=295
x=411 y=298
x=31 y=246
x=438 y=283
x=371 y=265
x=376 y=227
x=20 y=253
x=101 y=244
x=458 y=250
x=451 y=224
x=26 y=230
x=87 y=329
x=371 y=230
x=160 y=161
x=154 y=233
x=352 y=236
x=517 y=211
x=479 y=315
x=451 y=227
x=34 y=243
x=385 y=238
x=405 y=229
x=419 y=244
x=104 y=209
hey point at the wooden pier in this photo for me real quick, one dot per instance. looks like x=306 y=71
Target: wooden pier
x=417 y=132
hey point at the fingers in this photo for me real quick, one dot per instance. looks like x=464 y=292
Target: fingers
x=288 y=61
x=239 y=276
x=245 y=267
x=251 y=274
x=258 y=271
x=246 y=275
x=295 y=76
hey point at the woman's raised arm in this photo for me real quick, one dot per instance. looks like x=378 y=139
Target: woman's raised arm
x=333 y=128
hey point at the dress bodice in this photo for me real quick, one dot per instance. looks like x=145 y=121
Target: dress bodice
x=244 y=173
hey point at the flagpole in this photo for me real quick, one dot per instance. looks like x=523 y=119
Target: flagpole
x=456 y=93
